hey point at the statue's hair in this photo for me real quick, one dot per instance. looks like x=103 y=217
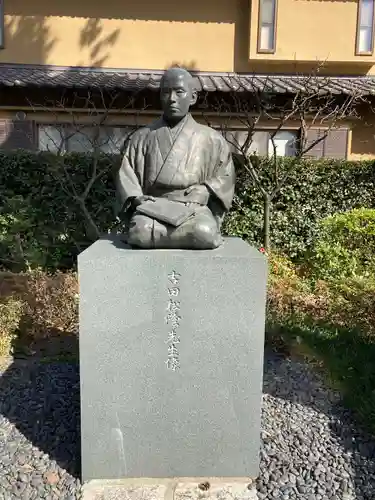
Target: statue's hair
x=179 y=71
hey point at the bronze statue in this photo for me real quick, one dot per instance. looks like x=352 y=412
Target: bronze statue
x=177 y=176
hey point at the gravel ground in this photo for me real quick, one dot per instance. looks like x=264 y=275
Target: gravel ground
x=311 y=447
x=39 y=431
x=311 y=450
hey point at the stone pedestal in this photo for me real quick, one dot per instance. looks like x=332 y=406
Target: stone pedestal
x=171 y=360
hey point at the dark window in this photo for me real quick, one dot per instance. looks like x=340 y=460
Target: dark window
x=333 y=144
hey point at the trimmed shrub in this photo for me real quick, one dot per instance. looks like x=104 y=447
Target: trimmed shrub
x=312 y=190
x=354 y=304
x=51 y=305
x=37 y=306
x=10 y=318
x=42 y=224
x=346 y=246
x=289 y=294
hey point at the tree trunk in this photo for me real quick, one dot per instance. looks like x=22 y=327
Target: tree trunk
x=92 y=231
x=266 y=221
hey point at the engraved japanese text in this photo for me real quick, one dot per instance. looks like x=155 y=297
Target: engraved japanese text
x=173 y=319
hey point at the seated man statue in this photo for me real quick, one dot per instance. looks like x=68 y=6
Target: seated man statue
x=176 y=165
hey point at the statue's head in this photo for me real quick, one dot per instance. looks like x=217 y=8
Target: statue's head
x=177 y=93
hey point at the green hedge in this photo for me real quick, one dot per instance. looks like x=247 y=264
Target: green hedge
x=313 y=190
x=41 y=224
x=346 y=246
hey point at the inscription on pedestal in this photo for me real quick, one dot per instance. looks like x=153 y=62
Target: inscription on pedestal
x=173 y=319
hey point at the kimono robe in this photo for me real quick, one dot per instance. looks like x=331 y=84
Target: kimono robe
x=162 y=162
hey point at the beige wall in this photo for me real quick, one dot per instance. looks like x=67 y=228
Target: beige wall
x=121 y=33
x=209 y=35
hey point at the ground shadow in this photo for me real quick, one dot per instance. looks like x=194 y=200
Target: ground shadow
x=42 y=400
x=58 y=345
x=344 y=381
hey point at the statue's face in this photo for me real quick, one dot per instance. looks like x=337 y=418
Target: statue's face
x=176 y=95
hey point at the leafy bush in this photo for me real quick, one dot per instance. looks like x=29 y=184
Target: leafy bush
x=18 y=245
x=51 y=304
x=291 y=295
x=37 y=306
x=42 y=223
x=346 y=246
x=10 y=317
x=330 y=322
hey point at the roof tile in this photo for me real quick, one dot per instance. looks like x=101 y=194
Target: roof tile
x=47 y=76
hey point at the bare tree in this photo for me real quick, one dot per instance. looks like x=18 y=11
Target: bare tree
x=86 y=121
x=312 y=105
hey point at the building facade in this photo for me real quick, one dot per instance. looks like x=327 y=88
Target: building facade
x=55 y=54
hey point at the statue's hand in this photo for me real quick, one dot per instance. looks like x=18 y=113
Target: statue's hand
x=141 y=199
x=198 y=193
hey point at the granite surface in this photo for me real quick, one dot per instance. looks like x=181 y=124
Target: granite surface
x=144 y=313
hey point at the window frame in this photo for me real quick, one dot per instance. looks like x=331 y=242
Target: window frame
x=297 y=136
x=64 y=129
x=358 y=30
x=2 y=25
x=267 y=131
x=261 y=24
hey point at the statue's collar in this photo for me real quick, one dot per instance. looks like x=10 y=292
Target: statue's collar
x=187 y=119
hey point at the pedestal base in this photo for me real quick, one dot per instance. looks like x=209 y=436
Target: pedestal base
x=171 y=360
x=171 y=489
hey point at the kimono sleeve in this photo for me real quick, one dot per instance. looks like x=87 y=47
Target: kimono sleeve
x=223 y=179
x=129 y=178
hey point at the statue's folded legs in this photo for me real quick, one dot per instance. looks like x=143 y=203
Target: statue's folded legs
x=201 y=231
